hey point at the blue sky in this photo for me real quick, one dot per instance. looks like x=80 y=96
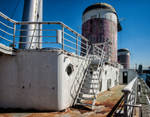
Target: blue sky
x=136 y=28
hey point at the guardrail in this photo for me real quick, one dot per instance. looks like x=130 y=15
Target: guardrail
x=148 y=102
x=98 y=48
x=55 y=34
x=146 y=86
x=130 y=97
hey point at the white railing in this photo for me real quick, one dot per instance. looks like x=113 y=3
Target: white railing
x=98 y=48
x=99 y=54
x=148 y=102
x=81 y=75
x=55 y=34
x=130 y=97
x=145 y=86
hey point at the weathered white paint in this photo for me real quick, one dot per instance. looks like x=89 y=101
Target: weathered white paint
x=109 y=73
x=131 y=75
x=120 y=66
x=38 y=80
x=103 y=14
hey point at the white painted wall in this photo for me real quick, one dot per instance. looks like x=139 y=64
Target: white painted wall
x=131 y=75
x=38 y=80
x=112 y=73
x=108 y=73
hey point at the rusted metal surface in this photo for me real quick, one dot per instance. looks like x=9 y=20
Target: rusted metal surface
x=105 y=103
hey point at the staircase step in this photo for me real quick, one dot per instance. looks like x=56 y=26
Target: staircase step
x=87 y=93
x=93 y=68
x=95 y=61
x=88 y=74
x=90 y=70
x=89 y=88
x=83 y=104
x=89 y=83
x=85 y=98
x=91 y=79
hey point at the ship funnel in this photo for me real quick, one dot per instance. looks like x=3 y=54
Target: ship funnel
x=32 y=12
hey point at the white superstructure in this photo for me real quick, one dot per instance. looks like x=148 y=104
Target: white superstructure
x=52 y=79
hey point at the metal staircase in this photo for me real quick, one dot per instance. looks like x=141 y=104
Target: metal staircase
x=90 y=84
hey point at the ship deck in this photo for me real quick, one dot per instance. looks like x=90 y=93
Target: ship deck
x=142 y=100
x=106 y=104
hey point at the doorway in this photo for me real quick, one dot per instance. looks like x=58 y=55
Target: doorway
x=125 y=77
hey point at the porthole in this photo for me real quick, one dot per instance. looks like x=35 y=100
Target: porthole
x=69 y=69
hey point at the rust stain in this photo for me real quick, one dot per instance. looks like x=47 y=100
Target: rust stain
x=98 y=103
x=5 y=115
x=102 y=108
x=49 y=114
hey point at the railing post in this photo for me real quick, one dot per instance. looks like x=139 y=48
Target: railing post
x=93 y=51
x=76 y=44
x=38 y=36
x=86 y=46
x=136 y=92
x=140 y=110
x=107 y=50
x=14 y=35
x=62 y=37
x=125 y=102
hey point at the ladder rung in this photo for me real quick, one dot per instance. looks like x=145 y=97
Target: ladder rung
x=92 y=74
x=90 y=70
x=93 y=67
x=89 y=88
x=85 y=98
x=89 y=83
x=91 y=79
x=83 y=104
x=87 y=93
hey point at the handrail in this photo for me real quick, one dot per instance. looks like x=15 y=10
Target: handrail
x=107 y=55
x=6 y=32
x=146 y=86
x=6 y=25
x=139 y=106
x=130 y=97
x=84 y=75
x=38 y=44
x=54 y=22
x=100 y=64
x=147 y=100
x=7 y=18
x=128 y=88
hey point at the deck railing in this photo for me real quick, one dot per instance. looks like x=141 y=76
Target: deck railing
x=102 y=47
x=54 y=34
x=130 y=97
x=148 y=102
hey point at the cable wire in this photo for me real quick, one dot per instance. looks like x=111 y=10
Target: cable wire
x=11 y=18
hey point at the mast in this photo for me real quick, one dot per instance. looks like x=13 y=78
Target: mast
x=32 y=12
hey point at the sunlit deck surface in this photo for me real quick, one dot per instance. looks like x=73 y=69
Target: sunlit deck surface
x=106 y=104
